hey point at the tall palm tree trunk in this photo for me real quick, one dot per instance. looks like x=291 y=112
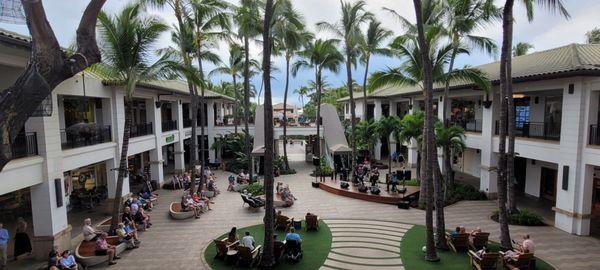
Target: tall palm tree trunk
x=429 y=135
x=237 y=104
x=285 y=96
x=203 y=119
x=421 y=174
x=502 y=161
x=448 y=172
x=268 y=260
x=318 y=120
x=440 y=222
x=194 y=138
x=352 y=107
x=510 y=114
x=122 y=165
x=449 y=176
x=364 y=112
x=247 y=106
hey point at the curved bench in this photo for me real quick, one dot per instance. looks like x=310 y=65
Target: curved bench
x=176 y=213
x=86 y=251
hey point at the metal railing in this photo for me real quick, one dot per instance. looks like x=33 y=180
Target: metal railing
x=139 y=130
x=169 y=125
x=85 y=136
x=536 y=130
x=24 y=145
x=187 y=123
x=594 y=136
x=473 y=125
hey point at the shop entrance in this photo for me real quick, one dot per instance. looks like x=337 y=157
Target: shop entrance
x=548 y=184
x=14 y=205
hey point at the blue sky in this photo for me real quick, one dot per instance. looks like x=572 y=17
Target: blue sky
x=546 y=31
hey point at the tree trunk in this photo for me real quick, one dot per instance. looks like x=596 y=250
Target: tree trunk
x=318 y=121
x=421 y=175
x=203 y=119
x=510 y=114
x=390 y=157
x=448 y=170
x=440 y=222
x=429 y=140
x=364 y=112
x=248 y=143
x=47 y=67
x=352 y=106
x=268 y=260
x=505 y=242
x=448 y=175
x=122 y=165
x=237 y=104
x=285 y=96
x=194 y=138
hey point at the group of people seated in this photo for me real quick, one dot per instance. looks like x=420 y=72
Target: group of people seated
x=242 y=178
x=285 y=194
x=182 y=180
x=134 y=213
x=62 y=260
x=103 y=248
x=291 y=245
x=196 y=203
x=364 y=171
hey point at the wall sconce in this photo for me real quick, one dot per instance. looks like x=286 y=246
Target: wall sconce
x=441 y=98
x=536 y=100
x=158 y=104
x=571 y=88
x=58 y=192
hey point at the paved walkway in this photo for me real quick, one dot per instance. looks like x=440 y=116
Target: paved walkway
x=359 y=244
x=180 y=244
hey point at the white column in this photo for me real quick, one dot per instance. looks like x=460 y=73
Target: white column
x=377 y=114
x=571 y=215
x=209 y=129
x=49 y=220
x=116 y=112
x=489 y=158
x=412 y=147
x=440 y=108
x=156 y=157
x=179 y=150
x=393 y=111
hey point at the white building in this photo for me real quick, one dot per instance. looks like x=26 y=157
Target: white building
x=76 y=146
x=557 y=97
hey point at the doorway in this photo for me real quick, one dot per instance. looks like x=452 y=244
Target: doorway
x=548 y=184
x=520 y=173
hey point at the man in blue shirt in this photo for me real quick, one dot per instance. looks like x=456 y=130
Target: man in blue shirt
x=292 y=235
x=3 y=245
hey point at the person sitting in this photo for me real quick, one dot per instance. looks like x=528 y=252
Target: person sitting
x=210 y=186
x=130 y=230
x=54 y=258
x=454 y=233
x=278 y=247
x=374 y=177
x=126 y=237
x=293 y=245
x=142 y=219
x=103 y=248
x=187 y=205
x=248 y=241
x=231 y=180
x=232 y=237
x=89 y=233
x=176 y=182
x=186 y=181
x=293 y=236
x=287 y=197
x=394 y=182
x=279 y=187
x=67 y=260
x=475 y=231
x=201 y=202
x=127 y=217
x=479 y=254
x=527 y=246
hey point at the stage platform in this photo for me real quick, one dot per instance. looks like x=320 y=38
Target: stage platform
x=383 y=197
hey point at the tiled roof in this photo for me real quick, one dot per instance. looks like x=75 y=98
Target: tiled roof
x=573 y=59
x=14 y=36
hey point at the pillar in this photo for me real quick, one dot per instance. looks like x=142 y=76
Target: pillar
x=49 y=219
x=377 y=114
x=440 y=151
x=156 y=157
x=412 y=146
x=209 y=129
x=393 y=111
x=489 y=158
x=179 y=150
x=114 y=109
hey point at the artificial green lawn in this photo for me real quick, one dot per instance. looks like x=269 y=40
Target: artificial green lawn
x=413 y=256
x=315 y=245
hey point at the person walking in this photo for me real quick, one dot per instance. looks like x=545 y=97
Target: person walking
x=3 y=246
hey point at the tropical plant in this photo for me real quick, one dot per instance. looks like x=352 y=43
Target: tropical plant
x=593 y=36
x=302 y=92
x=127 y=40
x=452 y=140
x=522 y=48
x=411 y=129
x=320 y=55
x=386 y=126
x=289 y=36
x=372 y=45
x=352 y=17
x=366 y=136
x=507 y=115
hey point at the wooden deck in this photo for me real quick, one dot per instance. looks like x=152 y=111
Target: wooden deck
x=352 y=192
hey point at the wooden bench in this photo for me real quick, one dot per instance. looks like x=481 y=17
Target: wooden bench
x=460 y=241
x=489 y=261
x=478 y=241
x=523 y=262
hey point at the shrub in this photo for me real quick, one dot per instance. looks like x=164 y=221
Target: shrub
x=464 y=192
x=411 y=182
x=256 y=189
x=523 y=218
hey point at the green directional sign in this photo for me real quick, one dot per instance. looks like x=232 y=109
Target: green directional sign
x=170 y=138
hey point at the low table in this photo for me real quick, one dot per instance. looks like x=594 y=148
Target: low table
x=231 y=256
x=297 y=223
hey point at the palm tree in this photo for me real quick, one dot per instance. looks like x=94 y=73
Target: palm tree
x=452 y=140
x=289 y=37
x=302 y=92
x=369 y=46
x=320 y=55
x=248 y=20
x=126 y=41
x=507 y=115
x=211 y=24
x=184 y=40
x=366 y=135
x=522 y=48
x=353 y=15
x=385 y=127
x=411 y=128
x=268 y=259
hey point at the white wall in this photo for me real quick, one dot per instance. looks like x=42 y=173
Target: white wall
x=533 y=176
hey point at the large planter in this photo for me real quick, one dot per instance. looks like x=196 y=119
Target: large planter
x=315 y=184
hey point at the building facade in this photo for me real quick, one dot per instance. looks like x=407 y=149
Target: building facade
x=557 y=97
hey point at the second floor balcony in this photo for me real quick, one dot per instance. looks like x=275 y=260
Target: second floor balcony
x=594 y=136
x=169 y=125
x=535 y=130
x=24 y=145
x=138 y=130
x=84 y=134
x=473 y=125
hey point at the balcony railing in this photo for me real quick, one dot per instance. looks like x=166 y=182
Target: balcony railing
x=85 y=136
x=169 y=125
x=24 y=145
x=139 y=130
x=469 y=125
x=187 y=123
x=594 y=138
x=536 y=130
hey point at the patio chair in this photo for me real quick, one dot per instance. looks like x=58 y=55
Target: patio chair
x=523 y=262
x=283 y=222
x=312 y=222
x=249 y=257
x=489 y=261
x=222 y=247
x=478 y=241
x=460 y=241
